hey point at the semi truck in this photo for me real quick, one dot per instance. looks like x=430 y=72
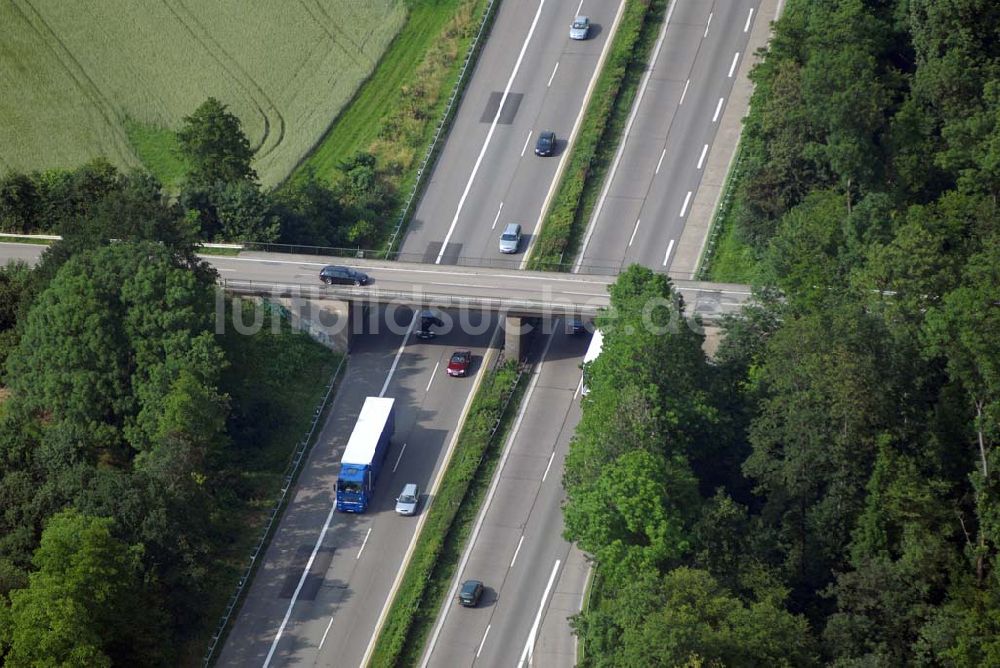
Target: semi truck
x=363 y=456
x=593 y=350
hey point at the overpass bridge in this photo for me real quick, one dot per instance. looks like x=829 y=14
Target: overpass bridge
x=514 y=294
x=293 y=280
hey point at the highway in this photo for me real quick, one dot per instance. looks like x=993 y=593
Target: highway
x=646 y=202
x=534 y=579
x=487 y=174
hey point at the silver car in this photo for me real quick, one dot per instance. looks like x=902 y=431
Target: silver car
x=510 y=240
x=406 y=502
x=580 y=28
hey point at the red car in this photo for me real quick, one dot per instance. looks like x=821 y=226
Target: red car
x=459 y=363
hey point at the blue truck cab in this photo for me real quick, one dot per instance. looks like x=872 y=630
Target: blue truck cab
x=364 y=454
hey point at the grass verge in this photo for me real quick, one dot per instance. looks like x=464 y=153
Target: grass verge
x=222 y=252
x=731 y=260
x=7 y=239
x=449 y=520
x=159 y=151
x=600 y=132
x=275 y=380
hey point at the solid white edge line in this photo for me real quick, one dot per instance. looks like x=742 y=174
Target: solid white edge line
x=554 y=70
x=433 y=376
x=423 y=516
x=489 y=135
x=732 y=68
x=746 y=28
x=323 y=639
x=501 y=203
x=548 y=466
x=516 y=551
x=701 y=160
x=298 y=587
x=709 y=23
x=634 y=230
x=364 y=542
x=400 y=458
x=591 y=226
x=399 y=353
x=684 y=207
x=471 y=542
x=579 y=9
x=684 y=92
x=529 y=645
x=718 y=109
x=666 y=256
x=524 y=148
x=483 y=642
x=659 y=163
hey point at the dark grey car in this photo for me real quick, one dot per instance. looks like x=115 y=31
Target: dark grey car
x=471 y=592
x=546 y=144
x=332 y=274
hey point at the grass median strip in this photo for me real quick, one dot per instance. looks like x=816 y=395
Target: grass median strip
x=450 y=518
x=599 y=135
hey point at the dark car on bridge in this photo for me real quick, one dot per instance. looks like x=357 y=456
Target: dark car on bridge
x=332 y=274
x=546 y=143
x=459 y=363
x=471 y=592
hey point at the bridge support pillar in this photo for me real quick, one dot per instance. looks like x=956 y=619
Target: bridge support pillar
x=514 y=330
x=326 y=321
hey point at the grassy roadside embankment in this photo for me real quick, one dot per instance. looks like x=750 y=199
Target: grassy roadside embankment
x=395 y=115
x=449 y=519
x=600 y=132
x=727 y=258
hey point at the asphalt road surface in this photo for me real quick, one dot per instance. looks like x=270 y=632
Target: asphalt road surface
x=354 y=557
x=487 y=174
x=534 y=579
x=643 y=209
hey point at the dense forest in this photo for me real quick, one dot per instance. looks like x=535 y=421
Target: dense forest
x=825 y=491
x=140 y=443
x=220 y=198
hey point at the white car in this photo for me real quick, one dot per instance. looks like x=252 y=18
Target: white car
x=406 y=502
x=580 y=28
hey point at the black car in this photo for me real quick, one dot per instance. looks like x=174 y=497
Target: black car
x=546 y=143
x=577 y=326
x=471 y=592
x=331 y=274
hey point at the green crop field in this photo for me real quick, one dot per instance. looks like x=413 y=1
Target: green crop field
x=108 y=78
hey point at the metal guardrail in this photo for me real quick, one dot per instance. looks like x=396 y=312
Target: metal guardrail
x=443 y=126
x=416 y=299
x=291 y=472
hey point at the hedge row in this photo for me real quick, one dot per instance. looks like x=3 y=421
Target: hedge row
x=563 y=225
x=415 y=594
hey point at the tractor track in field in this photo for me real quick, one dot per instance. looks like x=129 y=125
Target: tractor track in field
x=328 y=26
x=270 y=138
x=76 y=71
